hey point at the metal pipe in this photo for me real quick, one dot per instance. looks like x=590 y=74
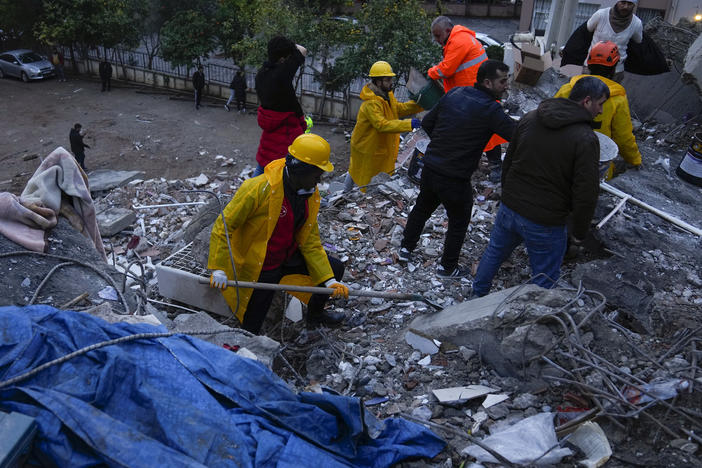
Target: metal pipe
x=678 y=222
x=166 y=205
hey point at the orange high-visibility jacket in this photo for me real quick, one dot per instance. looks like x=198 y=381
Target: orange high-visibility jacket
x=463 y=54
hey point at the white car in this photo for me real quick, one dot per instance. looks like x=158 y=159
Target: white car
x=25 y=64
x=486 y=40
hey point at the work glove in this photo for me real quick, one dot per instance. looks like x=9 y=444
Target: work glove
x=591 y=243
x=416 y=123
x=218 y=279
x=340 y=290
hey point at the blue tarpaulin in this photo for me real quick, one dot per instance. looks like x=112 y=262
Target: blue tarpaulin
x=178 y=401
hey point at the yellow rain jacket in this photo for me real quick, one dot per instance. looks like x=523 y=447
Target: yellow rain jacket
x=251 y=217
x=615 y=119
x=376 y=137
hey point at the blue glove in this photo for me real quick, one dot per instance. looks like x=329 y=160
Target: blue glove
x=416 y=123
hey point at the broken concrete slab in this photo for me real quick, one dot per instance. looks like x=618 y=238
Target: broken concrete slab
x=67 y=282
x=104 y=311
x=623 y=287
x=263 y=347
x=423 y=344
x=492 y=400
x=107 y=179
x=527 y=342
x=460 y=394
x=114 y=220
x=452 y=322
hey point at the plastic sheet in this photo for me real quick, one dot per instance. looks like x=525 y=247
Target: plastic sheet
x=178 y=401
x=523 y=443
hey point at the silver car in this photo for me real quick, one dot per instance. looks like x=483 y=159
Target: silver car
x=25 y=64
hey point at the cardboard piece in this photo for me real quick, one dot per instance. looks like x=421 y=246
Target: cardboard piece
x=530 y=63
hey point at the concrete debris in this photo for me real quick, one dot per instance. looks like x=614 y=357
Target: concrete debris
x=621 y=317
x=492 y=400
x=461 y=394
x=263 y=348
x=421 y=343
x=114 y=219
x=103 y=180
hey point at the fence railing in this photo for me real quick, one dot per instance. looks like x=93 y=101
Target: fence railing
x=222 y=74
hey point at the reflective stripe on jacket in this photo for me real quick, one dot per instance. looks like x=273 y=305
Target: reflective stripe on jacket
x=615 y=119
x=251 y=217
x=463 y=54
x=376 y=136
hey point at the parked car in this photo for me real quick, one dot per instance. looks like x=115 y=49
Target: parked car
x=25 y=64
x=487 y=41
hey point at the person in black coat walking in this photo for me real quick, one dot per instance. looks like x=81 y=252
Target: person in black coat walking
x=459 y=125
x=238 y=87
x=77 y=145
x=198 y=84
x=105 y=74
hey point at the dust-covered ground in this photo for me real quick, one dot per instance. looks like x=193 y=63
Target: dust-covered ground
x=128 y=128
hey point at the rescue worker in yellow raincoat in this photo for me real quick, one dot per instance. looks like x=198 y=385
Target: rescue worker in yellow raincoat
x=615 y=119
x=272 y=227
x=376 y=137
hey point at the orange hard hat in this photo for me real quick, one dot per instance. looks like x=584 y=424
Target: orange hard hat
x=604 y=53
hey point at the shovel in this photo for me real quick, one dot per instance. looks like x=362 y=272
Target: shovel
x=320 y=290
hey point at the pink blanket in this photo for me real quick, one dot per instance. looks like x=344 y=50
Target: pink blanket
x=58 y=186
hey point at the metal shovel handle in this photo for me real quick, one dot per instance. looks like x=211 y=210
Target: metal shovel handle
x=319 y=290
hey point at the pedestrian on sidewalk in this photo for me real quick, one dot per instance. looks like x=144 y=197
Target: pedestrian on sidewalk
x=459 y=126
x=198 y=85
x=238 y=92
x=376 y=137
x=280 y=114
x=550 y=173
x=77 y=145
x=58 y=62
x=283 y=248
x=105 y=70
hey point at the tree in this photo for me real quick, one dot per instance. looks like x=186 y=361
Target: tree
x=396 y=31
x=17 y=21
x=88 y=23
x=186 y=38
x=156 y=13
x=244 y=27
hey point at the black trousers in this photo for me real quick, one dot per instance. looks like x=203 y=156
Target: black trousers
x=198 y=97
x=106 y=82
x=260 y=302
x=80 y=157
x=495 y=155
x=457 y=197
x=240 y=100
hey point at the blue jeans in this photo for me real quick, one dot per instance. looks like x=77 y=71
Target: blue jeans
x=258 y=171
x=546 y=246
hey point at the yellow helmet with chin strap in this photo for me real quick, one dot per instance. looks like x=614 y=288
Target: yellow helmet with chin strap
x=312 y=149
x=379 y=69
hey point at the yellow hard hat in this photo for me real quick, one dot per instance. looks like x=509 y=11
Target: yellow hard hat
x=312 y=149
x=380 y=68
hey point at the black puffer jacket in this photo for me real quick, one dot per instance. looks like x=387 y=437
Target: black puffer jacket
x=460 y=125
x=551 y=166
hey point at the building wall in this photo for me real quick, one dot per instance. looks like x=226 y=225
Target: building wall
x=534 y=13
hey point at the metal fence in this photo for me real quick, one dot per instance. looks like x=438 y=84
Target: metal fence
x=218 y=73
